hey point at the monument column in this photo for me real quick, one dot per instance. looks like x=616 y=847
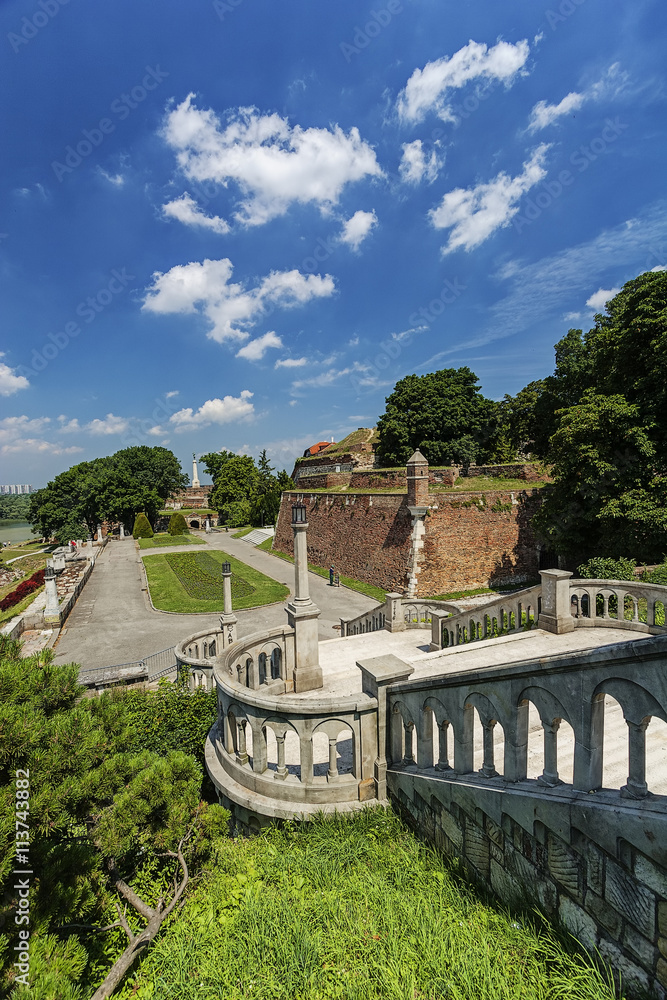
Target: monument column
x=52 y=609
x=195 y=478
x=302 y=614
x=227 y=618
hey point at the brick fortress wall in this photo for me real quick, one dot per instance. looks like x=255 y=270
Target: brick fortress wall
x=323 y=476
x=470 y=539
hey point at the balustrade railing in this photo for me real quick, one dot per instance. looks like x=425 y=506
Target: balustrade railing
x=621 y=603
x=509 y=613
x=395 y=614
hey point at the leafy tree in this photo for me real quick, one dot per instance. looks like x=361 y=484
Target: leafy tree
x=518 y=423
x=142 y=527
x=177 y=524
x=214 y=462
x=114 y=820
x=600 y=568
x=441 y=413
x=235 y=490
x=605 y=497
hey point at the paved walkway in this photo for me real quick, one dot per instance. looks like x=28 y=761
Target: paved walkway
x=113 y=621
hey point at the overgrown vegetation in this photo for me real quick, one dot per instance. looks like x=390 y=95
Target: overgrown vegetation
x=350 y=908
x=191 y=582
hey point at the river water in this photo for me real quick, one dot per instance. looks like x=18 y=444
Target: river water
x=15 y=531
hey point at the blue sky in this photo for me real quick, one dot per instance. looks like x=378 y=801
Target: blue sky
x=236 y=224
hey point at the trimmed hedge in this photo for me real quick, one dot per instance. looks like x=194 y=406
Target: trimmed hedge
x=177 y=524
x=142 y=527
x=24 y=588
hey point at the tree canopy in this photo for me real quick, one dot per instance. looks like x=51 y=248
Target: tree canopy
x=442 y=414
x=114 y=488
x=245 y=492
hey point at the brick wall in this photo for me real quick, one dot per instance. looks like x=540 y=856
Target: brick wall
x=467 y=542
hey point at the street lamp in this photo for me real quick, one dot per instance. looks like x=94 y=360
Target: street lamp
x=298 y=513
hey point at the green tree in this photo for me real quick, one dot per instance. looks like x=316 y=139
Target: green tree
x=214 y=462
x=235 y=489
x=142 y=527
x=441 y=413
x=518 y=423
x=177 y=524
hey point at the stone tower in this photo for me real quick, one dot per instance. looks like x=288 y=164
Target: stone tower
x=417 y=476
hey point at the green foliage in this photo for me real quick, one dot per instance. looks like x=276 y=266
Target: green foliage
x=177 y=524
x=353 y=907
x=607 y=569
x=245 y=493
x=201 y=577
x=142 y=527
x=14 y=506
x=442 y=414
x=214 y=462
x=518 y=423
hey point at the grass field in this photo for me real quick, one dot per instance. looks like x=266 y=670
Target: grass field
x=165 y=539
x=347 y=581
x=191 y=583
x=352 y=909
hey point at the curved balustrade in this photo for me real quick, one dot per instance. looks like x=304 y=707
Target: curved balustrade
x=197 y=654
x=370 y=621
x=516 y=612
x=570 y=688
x=618 y=603
x=400 y=612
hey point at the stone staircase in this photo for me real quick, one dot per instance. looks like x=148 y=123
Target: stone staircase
x=259 y=535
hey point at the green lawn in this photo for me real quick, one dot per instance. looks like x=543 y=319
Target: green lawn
x=242 y=532
x=347 y=581
x=191 y=582
x=165 y=539
x=352 y=908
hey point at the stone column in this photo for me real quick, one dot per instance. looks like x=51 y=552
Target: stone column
x=228 y=619
x=302 y=614
x=549 y=776
x=208 y=525
x=195 y=478
x=242 y=751
x=281 y=773
x=437 y=618
x=376 y=676
x=393 y=613
x=443 y=757
x=332 y=773
x=636 y=787
x=488 y=766
x=555 y=615
x=52 y=609
x=122 y=530
x=99 y=534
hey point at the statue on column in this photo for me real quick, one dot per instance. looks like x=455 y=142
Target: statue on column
x=195 y=477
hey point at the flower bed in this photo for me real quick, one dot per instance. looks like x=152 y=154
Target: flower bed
x=24 y=588
x=201 y=576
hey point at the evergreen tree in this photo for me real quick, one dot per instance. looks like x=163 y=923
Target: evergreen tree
x=142 y=527
x=177 y=524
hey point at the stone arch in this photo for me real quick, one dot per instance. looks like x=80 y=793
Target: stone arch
x=551 y=738
x=626 y=745
x=488 y=733
x=345 y=750
x=279 y=728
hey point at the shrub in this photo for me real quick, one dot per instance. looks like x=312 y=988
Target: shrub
x=142 y=527
x=177 y=524
x=24 y=588
x=607 y=569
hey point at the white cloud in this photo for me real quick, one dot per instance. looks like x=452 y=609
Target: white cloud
x=116 y=179
x=69 y=426
x=110 y=425
x=414 y=165
x=17 y=437
x=572 y=317
x=599 y=299
x=214 y=411
x=659 y=267
x=170 y=395
x=474 y=214
x=428 y=88
x=9 y=382
x=359 y=375
x=256 y=349
x=357 y=228
x=544 y=114
x=291 y=363
x=230 y=308
x=273 y=163
x=187 y=211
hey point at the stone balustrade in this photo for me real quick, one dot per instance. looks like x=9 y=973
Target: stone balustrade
x=394 y=615
x=195 y=657
x=625 y=604
x=510 y=613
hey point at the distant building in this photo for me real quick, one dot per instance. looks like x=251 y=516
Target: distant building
x=16 y=489
x=315 y=449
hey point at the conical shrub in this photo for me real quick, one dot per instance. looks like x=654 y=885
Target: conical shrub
x=177 y=524
x=142 y=527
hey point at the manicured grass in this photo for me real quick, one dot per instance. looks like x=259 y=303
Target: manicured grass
x=347 y=581
x=165 y=539
x=250 y=588
x=355 y=908
x=474 y=484
x=457 y=595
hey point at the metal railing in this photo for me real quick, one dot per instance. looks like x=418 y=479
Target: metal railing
x=149 y=668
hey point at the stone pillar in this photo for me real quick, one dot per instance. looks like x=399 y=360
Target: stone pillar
x=376 y=675
x=393 y=613
x=90 y=544
x=99 y=534
x=488 y=768
x=555 y=615
x=549 y=776
x=122 y=530
x=52 y=609
x=195 y=478
x=242 y=751
x=443 y=757
x=417 y=477
x=228 y=619
x=208 y=525
x=302 y=614
x=418 y=515
x=332 y=773
x=636 y=787
x=281 y=773
x=437 y=618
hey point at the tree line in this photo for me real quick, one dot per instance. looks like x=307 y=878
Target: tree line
x=598 y=421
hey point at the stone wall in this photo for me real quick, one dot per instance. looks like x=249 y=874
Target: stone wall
x=470 y=539
x=600 y=887
x=323 y=475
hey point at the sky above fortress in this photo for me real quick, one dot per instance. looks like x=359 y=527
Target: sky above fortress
x=237 y=223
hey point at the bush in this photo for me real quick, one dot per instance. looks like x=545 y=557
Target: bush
x=600 y=568
x=24 y=588
x=177 y=524
x=142 y=527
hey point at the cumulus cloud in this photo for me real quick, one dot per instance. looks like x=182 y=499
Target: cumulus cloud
x=415 y=166
x=291 y=363
x=187 y=211
x=9 y=382
x=214 y=411
x=599 y=299
x=428 y=88
x=230 y=308
x=110 y=425
x=544 y=114
x=273 y=163
x=357 y=228
x=473 y=214
x=17 y=436
x=256 y=349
